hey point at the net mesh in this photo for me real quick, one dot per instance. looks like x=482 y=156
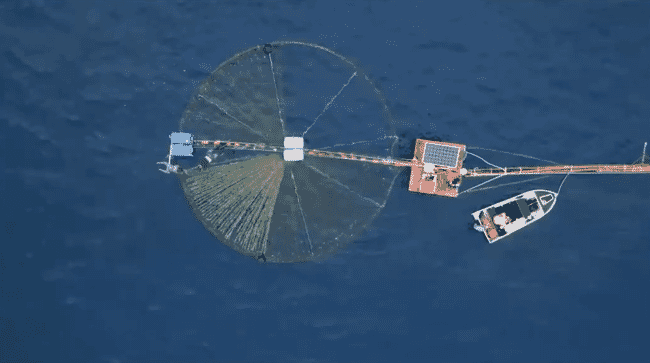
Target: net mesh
x=289 y=211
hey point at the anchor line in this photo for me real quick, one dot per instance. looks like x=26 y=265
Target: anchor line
x=505 y=184
x=485 y=161
x=558 y=189
x=485 y=182
x=510 y=153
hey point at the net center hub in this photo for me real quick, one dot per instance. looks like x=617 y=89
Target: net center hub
x=293 y=148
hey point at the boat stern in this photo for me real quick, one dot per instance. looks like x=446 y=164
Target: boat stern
x=485 y=224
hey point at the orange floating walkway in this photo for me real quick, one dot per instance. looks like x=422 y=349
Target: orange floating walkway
x=437 y=167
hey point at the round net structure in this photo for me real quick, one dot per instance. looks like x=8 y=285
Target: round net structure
x=257 y=202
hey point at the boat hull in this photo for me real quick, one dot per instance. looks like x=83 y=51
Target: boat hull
x=506 y=217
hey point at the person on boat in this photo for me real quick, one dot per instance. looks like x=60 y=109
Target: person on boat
x=502 y=220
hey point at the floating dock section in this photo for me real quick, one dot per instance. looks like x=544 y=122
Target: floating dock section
x=437 y=168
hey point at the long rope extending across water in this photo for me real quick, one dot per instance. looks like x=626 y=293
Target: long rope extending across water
x=485 y=161
x=502 y=185
x=476 y=186
x=360 y=142
x=498 y=176
x=558 y=189
x=507 y=152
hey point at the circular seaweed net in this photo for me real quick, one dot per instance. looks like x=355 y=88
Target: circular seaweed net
x=289 y=211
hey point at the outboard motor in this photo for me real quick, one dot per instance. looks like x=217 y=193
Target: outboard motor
x=479 y=227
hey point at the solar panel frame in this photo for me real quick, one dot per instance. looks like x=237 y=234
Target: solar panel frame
x=444 y=155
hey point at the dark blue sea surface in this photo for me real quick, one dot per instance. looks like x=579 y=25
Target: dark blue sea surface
x=102 y=260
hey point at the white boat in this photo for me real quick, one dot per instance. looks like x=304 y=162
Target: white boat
x=502 y=219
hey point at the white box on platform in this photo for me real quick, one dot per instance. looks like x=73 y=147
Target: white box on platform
x=293 y=148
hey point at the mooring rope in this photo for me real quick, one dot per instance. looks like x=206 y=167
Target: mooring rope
x=558 y=189
x=507 y=152
x=485 y=161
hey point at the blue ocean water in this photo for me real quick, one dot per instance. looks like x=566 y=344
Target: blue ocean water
x=102 y=260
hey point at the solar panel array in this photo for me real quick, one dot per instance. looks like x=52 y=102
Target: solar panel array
x=444 y=155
